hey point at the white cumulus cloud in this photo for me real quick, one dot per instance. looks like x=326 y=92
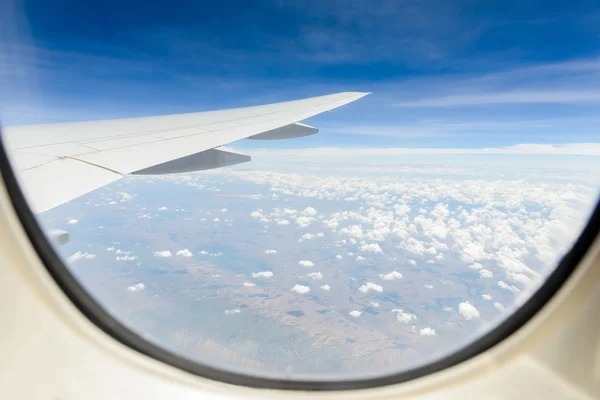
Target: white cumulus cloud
x=403 y=316
x=371 y=248
x=270 y=251
x=262 y=274
x=391 y=276
x=468 y=311
x=316 y=276
x=184 y=253
x=370 y=286
x=162 y=253
x=249 y=284
x=306 y=263
x=125 y=197
x=309 y=211
x=427 y=332
x=326 y=287
x=484 y=273
x=355 y=313
x=72 y=221
x=301 y=289
x=136 y=288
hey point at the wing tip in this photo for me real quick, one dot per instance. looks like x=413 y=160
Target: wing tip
x=360 y=95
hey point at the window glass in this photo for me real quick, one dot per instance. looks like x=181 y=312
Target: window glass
x=417 y=219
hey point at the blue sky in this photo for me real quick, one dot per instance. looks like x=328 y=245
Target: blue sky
x=442 y=73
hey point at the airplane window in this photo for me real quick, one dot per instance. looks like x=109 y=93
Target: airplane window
x=456 y=169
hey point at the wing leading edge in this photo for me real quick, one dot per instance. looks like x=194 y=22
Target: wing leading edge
x=59 y=162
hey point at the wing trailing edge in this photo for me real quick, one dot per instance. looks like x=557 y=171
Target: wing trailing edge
x=291 y=131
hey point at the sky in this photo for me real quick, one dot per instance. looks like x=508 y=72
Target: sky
x=443 y=74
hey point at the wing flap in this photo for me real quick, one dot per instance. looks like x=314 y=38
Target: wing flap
x=208 y=159
x=286 y=132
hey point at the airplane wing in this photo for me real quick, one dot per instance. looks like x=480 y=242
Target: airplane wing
x=59 y=162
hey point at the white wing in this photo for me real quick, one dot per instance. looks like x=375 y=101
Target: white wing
x=59 y=162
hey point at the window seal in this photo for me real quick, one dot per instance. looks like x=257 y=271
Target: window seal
x=110 y=325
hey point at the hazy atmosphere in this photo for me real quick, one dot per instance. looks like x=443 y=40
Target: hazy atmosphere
x=417 y=218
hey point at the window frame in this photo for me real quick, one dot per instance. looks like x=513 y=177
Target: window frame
x=95 y=313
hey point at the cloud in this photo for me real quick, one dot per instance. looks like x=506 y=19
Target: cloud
x=514 y=97
x=326 y=288
x=506 y=286
x=72 y=221
x=468 y=311
x=304 y=221
x=307 y=236
x=354 y=231
x=474 y=251
x=223 y=210
x=249 y=284
x=315 y=275
x=126 y=258
x=360 y=258
x=371 y=248
x=428 y=286
x=263 y=274
x=355 y=313
x=283 y=222
x=136 y=288
x=306 y=263
x=391 y=276
x=110 y=248
x=523 y=148
x=163 y=208
x=309 y=212
x=125 y=197
x=270 y=251
x=499 y=307
x=233 y=311
x=370 y=286
x=484 y=273
x=486 y=297
x=501 y=224
x=162 y=253
x=301 y=289
x=374 y=304
x=427 y=332
x=338 y=257
x=80 y=256
x=203 y=252
x=404 y=317
x=184 y=253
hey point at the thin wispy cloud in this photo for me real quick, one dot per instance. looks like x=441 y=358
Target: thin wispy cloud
x=525 y=148
x=523 y=97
